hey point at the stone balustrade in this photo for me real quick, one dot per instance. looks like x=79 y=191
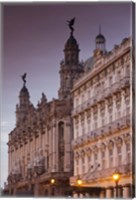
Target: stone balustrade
x=123 y=169
x=90 y=176
x=102 y=131
x=109 y=91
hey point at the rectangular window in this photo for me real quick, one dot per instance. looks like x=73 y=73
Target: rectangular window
x=110 y=81
x=82 y=98
x=89 y=124
x=110 y=117
x=88 y=94
x=110 y=157
x=83 y=165
x=119 y=151
x=95 y=159
x=128 y=153
x=77 y=166
x=83 y=127
x=77 y=102
x=103 y=121
x=103 y=160
x=77 y=130
x=95 y=125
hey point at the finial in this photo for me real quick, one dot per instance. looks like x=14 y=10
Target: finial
x=70 y=24
x=24 y=78
x=99 y=28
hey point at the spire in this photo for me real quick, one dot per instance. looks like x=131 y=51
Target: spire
x=99 y=29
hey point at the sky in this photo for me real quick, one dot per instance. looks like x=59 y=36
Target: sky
x=33 y=39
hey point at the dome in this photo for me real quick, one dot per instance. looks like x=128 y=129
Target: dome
x=89 y=63
x=24 y=91
x=71 y=42
x=100 y=38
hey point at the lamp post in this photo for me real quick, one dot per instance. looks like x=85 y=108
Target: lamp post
x=116 y=178
x=79 y=183
x=53 y=182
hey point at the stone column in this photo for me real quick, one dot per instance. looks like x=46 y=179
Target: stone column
x=36 y=189
x=120 y=191
x=109 y=192
x=126 y=191
x=102 y=193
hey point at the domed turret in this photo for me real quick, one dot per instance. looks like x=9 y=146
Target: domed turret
x=70 y=68
x=24 y=96
x=100 y=41
x=24 y=107
x=24 y=91
x=71 y=43
x=71 y=51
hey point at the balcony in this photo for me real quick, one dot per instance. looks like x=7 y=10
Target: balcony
x=123 y=169
x=103 y=131
x=102 y=174
x=100 y=96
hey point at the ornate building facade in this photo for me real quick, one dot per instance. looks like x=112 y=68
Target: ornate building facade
x=102 y=120
x=86 y=133
x=39 y=148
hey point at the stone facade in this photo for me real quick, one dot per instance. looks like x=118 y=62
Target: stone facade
x=102 y=120
x=40 y=153
x=86 y=133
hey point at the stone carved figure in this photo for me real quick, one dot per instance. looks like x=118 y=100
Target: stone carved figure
x=70 y=24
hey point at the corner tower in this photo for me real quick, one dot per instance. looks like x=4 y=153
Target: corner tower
x=24 y=103
x=70 y=67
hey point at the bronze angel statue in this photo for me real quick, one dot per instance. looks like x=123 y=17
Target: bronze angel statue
x=70 y=24
x=24 y=77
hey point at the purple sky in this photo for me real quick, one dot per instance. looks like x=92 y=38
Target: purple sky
x=33 y=41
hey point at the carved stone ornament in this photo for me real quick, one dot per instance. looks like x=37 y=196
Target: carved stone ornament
x=118 y=141
x=110 y=144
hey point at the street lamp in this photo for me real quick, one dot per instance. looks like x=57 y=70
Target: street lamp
x=52 y=181
x=79 y=181
x=116 y=178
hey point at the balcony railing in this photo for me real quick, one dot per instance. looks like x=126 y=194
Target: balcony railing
x=100 y=96
x=102 y=131
x=104 y=173
x=123 y=169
